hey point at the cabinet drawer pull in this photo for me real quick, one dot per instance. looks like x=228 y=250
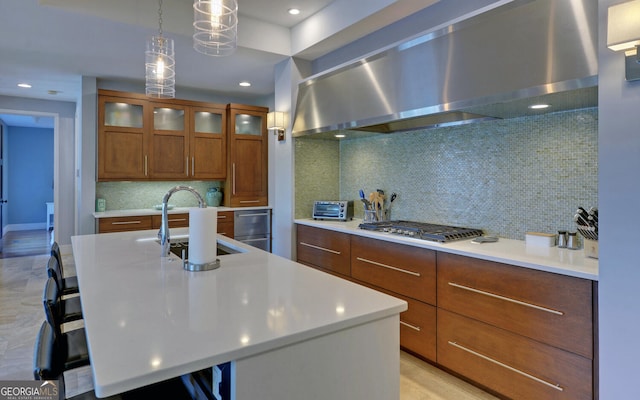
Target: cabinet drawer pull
x=249 y=201
x=510 y=368
x=222 y=216
x=126 y=223
x=415 y=328
x=388 y=266
x=497 y=296
x=320 y=248
x=254 y=215
x=177 y=220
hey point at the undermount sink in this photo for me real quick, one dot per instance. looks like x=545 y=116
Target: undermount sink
x=180 y=245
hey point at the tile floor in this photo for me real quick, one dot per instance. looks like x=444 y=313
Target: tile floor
x=22 y=280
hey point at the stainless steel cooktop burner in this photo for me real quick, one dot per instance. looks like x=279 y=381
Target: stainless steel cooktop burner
x=423 y=230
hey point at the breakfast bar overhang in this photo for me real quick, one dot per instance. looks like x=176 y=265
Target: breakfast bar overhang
x=289 y=331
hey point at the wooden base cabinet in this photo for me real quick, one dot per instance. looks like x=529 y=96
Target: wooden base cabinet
x=324 y=249
x=510 y=364
x=523 y=333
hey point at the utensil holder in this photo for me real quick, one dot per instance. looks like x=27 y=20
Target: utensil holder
x=376 y=215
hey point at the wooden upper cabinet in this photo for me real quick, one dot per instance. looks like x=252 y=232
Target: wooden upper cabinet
x=208 y=143
x=169 y=156
x=122 y=139
x=144 y=139
x=246 y=184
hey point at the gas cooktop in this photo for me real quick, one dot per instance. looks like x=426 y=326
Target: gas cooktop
x=423 y=230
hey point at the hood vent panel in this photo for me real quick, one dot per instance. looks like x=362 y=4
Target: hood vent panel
x=442 y=78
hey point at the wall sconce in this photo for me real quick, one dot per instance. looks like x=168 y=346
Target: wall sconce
x=623 y=34
x=277 y=121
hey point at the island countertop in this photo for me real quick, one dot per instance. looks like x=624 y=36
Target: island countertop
x=147 y=319
x=515 y=252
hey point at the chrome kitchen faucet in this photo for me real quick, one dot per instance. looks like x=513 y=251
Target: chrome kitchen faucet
x=163 y=234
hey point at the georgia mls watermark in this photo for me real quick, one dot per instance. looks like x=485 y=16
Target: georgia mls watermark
x=29 y=390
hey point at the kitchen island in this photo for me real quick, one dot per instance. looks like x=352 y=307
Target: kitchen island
x=288 y=331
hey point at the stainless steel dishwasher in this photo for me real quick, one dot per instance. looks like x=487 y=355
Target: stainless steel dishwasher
x=253 y=227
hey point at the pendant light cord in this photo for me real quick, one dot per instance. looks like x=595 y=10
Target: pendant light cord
x=160 y=18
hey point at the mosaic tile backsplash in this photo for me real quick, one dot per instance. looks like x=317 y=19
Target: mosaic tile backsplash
x=505 y=177
x=139 y=195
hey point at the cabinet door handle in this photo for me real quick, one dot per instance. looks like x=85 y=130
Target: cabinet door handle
x=497 y=296
x=233 y=178
x=146 y=169
x=388 y=266
x=254 y=215
x=126 y=222
x=186 y=165
x=510 y=368
x=321 y=248
x=415 y=328
x=193 y=166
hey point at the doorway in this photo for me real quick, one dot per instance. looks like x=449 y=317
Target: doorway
x=26 y=184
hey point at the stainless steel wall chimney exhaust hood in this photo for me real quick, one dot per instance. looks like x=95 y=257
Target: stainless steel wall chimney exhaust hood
x=520 y=50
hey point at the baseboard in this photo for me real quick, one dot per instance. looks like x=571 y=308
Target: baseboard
x=24 y=227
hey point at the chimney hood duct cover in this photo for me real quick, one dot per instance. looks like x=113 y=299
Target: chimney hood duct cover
x=519 y=50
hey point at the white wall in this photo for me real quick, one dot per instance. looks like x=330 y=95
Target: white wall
x=619 y=191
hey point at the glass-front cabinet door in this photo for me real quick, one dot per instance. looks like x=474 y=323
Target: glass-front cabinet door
x=122 y=144
x=169 y=142
x=208 y=143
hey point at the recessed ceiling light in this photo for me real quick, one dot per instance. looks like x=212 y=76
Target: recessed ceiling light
x=24 y=85
x=245 y=84
x=340 y=136
x=294 y=11
x=538 y=106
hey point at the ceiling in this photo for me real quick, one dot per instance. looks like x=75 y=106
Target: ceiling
x=52 y=44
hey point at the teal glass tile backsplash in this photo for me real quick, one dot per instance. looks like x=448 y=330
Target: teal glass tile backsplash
x=506 y=177
x=140 y=195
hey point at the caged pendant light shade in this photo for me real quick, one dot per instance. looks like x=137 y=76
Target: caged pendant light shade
x=160 y=64
x=215 y=24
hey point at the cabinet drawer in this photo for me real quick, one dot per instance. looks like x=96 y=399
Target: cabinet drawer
x=417 y=325
x=554 y=309
x=225 y=223
x=510 y=364
x=175 y=220
x=121 y=224
x=324 y=249
x=407 y=270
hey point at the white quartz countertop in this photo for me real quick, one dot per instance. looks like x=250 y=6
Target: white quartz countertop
x=515 y=252
x=153 y=211
x=147 y=319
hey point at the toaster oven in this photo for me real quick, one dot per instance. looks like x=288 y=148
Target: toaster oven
x=341 y=210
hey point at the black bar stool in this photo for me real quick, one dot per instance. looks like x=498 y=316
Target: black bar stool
x=67 y=285
x=48 y=364
x=67 y=309
x=72 y=344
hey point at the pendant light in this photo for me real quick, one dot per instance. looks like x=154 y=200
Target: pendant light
x=215 y=24
x=160 y=64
